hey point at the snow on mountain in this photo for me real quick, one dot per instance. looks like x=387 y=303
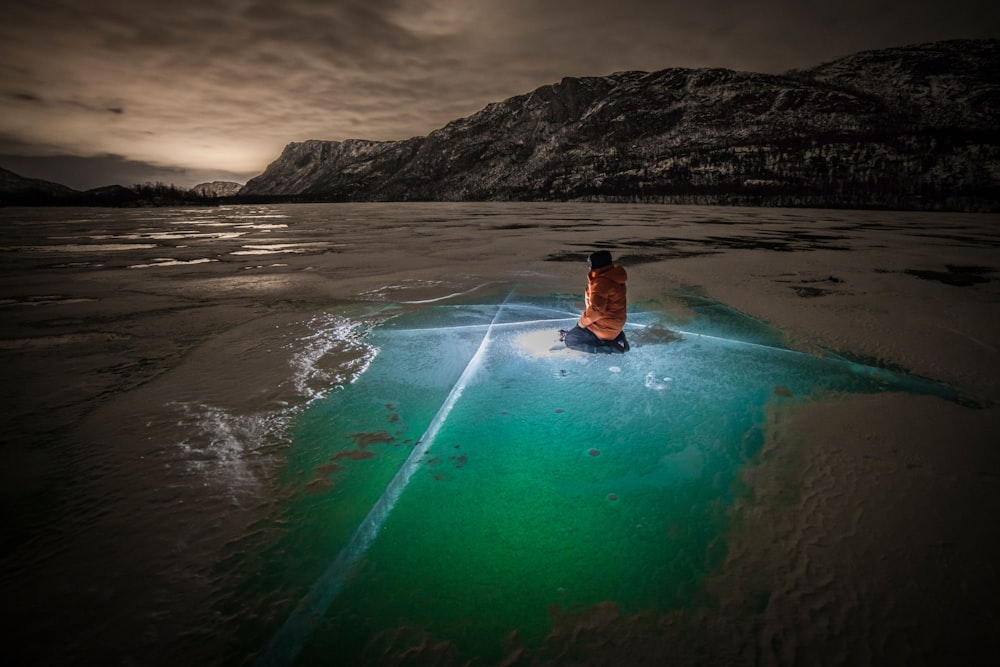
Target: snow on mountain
x=217 y=189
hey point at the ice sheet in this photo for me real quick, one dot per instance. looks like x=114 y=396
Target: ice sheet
x=506 y=474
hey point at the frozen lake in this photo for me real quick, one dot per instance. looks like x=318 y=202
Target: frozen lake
x=291 y=432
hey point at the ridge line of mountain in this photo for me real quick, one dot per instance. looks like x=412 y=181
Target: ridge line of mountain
x=912 y=127
x=909 y=127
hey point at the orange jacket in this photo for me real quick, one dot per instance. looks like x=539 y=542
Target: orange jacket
x=605 y=298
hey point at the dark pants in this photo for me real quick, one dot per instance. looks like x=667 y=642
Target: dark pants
x=585 y=340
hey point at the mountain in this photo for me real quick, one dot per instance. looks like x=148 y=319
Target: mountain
x=912 y=127
x=217 y=189
x=108 y=195
x=17 y=190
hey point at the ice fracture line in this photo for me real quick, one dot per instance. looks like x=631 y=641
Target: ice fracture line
x=288 y=642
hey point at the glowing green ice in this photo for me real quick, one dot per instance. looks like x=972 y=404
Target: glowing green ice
x=554 y=478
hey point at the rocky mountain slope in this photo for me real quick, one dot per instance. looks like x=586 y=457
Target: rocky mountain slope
x=913 y=127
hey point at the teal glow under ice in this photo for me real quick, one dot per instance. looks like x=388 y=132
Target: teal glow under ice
x=470 y=479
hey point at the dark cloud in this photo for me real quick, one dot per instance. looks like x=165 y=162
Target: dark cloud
x=768 y=35
x=224 y=84
x=25 y=97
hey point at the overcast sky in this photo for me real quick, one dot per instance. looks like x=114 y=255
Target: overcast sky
x=94 y=92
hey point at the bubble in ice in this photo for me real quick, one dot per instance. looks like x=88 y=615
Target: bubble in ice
x=655 y=383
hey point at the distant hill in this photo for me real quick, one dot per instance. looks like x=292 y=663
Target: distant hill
x=217 y=189
x=914 y=128
x=17 y=190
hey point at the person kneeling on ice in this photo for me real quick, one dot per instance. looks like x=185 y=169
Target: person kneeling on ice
x=600 y=327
